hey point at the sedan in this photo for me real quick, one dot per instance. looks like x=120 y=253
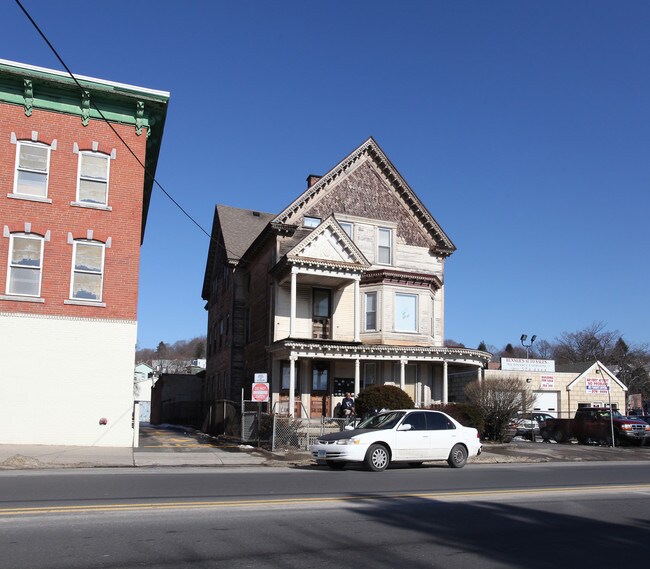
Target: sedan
x=411 y=436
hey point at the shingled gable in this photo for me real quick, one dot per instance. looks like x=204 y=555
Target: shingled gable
x=369 y=154
x=328 y=244
x=234 y=230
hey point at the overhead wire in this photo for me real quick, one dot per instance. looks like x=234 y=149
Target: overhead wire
x=101 y=114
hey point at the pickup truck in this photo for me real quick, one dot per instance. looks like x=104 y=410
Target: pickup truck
x=593 y=425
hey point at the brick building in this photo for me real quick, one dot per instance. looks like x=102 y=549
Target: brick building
x=342 y=289
x=73 y=209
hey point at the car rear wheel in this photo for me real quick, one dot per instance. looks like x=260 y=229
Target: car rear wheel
x=335 y=464
x=377 y=458
x=457 y=456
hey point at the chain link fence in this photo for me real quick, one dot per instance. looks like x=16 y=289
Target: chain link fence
x=293 y=433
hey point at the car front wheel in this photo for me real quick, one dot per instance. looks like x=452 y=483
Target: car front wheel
x=377 y=458
x=457 y=456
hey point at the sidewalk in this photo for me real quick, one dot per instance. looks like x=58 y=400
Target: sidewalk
x=24 y=457
x=19 y=457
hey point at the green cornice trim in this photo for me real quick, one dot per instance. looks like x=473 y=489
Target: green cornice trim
x=49 y=90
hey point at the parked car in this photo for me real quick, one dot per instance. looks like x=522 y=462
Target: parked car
x=409 y=435
x=523 y=424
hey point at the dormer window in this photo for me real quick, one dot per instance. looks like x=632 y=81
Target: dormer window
x=311 y=221
x=32 y=169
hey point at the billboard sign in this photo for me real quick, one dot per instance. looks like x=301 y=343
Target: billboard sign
x=521 y=364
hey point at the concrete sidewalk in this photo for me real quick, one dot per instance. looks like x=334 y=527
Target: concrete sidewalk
x=17 y=457
x=23 y=457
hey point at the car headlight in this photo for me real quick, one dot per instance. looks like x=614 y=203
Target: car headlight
x=627 y=427
x=353 y=441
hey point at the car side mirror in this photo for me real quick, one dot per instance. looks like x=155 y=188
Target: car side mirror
x=404 y=427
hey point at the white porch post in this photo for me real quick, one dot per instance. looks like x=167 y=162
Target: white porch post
x=292 y=382
x=357 y=376
x=479 y=374
x=402 y=373
x=445 y=384
x=357 y=309
x=292 y=314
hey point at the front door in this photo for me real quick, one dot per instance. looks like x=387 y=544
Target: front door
x=320 y=389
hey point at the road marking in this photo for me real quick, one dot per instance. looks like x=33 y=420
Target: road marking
x=314 y=500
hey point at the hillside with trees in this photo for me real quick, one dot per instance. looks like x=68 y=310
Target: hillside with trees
x=181 y=350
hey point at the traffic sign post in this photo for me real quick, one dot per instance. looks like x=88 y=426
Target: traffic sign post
x=260 y=392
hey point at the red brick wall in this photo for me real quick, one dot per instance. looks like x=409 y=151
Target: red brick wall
x=122 y=224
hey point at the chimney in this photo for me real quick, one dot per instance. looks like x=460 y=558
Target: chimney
x=312 y=179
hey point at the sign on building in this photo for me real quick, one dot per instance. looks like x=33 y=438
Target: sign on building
x=596 y=385
x=547 y=382
x=520 y=364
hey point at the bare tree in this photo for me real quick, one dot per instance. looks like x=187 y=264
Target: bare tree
x=592 y=343
x=498 y=400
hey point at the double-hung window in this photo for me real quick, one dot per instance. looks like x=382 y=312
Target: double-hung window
x=87 y=271
x=32 y=169
x=371 y=311
x=406 y=312
x=25 y=265
x=94 y=169
x=348 y=228
x=384 y=246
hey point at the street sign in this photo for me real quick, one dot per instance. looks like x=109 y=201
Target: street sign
x=260 y=392
x=260 y=378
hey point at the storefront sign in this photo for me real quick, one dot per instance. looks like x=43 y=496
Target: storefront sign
x=596 y=385
x=547 y=382
x=520 y=364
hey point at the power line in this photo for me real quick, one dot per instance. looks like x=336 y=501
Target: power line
x=147 y=173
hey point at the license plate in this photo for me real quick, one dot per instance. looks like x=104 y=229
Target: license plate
x=322 y=454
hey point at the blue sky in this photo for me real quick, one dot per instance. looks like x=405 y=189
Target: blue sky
x=524 y=127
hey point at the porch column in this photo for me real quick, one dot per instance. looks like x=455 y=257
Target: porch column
x=292 y=383
x=402 y=373
x=479 y=374
x=357 y=309
x=445 y=384
x=292 y=313
x=357 y=376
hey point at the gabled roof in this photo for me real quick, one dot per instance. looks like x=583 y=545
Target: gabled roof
x=592 y=367
x=233 y=229
x=328 y=244
x=370 y=150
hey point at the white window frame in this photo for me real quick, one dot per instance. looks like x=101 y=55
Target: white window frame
x=74 y=271
x=349 y=225
x=11 y=266
x=365 y=311
x=311 y=222
x=398 y=321
x=18 y=169
x=92 y=153
x=389 y=232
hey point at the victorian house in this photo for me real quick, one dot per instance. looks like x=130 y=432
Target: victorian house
x=74 y=205
x=342 y=289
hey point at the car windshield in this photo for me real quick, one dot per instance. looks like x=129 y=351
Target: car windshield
x=382 y=421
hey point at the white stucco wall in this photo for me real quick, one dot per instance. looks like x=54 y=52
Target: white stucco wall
x=59 y=377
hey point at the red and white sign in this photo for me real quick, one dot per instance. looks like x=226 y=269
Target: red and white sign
x=260 y=392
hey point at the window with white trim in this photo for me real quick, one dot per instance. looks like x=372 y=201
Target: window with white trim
x=32 y=168
x=348 y=228
x=370 y=311
x=94 y=168
x=25 y=265
x=406 y=312
x=311 y=221
x=384 y=246
x=87 y=270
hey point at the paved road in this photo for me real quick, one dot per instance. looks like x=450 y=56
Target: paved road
x=526 y=515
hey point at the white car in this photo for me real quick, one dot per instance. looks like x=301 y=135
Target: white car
x=410 y=435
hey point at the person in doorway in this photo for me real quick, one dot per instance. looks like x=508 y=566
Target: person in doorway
x=347 y=406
